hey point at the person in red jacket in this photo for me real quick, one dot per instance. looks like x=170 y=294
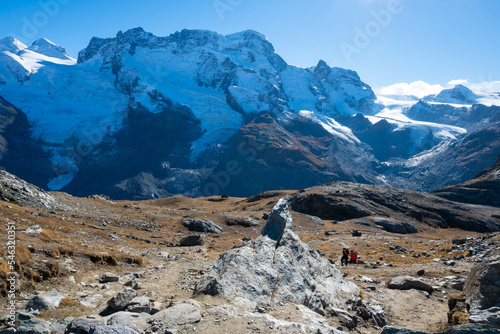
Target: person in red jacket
x=354 y=257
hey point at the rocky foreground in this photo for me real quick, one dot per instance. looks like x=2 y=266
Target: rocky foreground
x=265 y=264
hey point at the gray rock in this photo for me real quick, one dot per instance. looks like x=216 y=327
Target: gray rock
x=482 y=288
x=407 y=282
x=201 y=225
x=192 y=240
x=390 y=225
x=109 y=277
x=277 y=266
x=356 y=233
x=139 y=301
x=122 y=299
x=137 y=321
x=396 y=330
x=377 y=314
x=20 y=315
x=112 y=330
x=250 y=222
x=489 y=316
x=9 y=330
x=34 y=326
x=92 y=301
x=60 y=327
x=171 y=331
x=178 y=314
x=459 y=241
x=45 y=301
x=466 y=329
x=409 y=228
x=223 y=310
x=83 y=325
x=34 y=229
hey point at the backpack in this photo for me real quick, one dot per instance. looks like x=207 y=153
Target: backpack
x=354 y=255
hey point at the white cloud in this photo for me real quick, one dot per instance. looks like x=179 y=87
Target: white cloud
x=417 y=88
x=455 y=82
x=485 y=86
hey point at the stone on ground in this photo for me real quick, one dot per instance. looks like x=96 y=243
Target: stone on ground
x=178 y=314
x=201 y=225
x=408 y=282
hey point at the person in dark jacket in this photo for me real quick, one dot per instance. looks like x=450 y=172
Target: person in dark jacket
x=345 y=256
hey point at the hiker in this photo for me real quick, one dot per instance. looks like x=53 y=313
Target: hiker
x=345 y=257
x=354 y=257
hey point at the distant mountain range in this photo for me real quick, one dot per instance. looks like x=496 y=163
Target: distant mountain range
x=200 y=113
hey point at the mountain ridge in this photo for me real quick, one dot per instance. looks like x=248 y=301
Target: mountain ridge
x=197 y=93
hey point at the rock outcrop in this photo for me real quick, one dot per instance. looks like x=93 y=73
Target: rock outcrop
x=278 y=267
x=344 y=201
x=22 y=193
x=482 y=292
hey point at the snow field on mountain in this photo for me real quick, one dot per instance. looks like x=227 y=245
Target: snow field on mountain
x=299 y=85
x=172 y=76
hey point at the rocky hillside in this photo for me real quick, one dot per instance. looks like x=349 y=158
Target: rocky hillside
x=396 y=210
x=483 y=189
x=263 y=263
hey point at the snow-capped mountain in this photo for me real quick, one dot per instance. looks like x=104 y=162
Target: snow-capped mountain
x=201 y=113
x=458 y=94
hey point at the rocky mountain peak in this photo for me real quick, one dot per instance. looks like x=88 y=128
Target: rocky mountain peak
x=253 y=40
x=188 y=40
x=322 y=70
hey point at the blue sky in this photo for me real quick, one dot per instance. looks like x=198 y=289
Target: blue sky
x=386 y=42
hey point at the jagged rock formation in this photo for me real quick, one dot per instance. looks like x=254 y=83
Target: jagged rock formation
x=276 y=267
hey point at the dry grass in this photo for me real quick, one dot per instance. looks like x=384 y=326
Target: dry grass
x=80 y=239
x=67 y=308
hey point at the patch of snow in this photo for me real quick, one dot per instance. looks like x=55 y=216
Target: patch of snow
x=330 y=125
